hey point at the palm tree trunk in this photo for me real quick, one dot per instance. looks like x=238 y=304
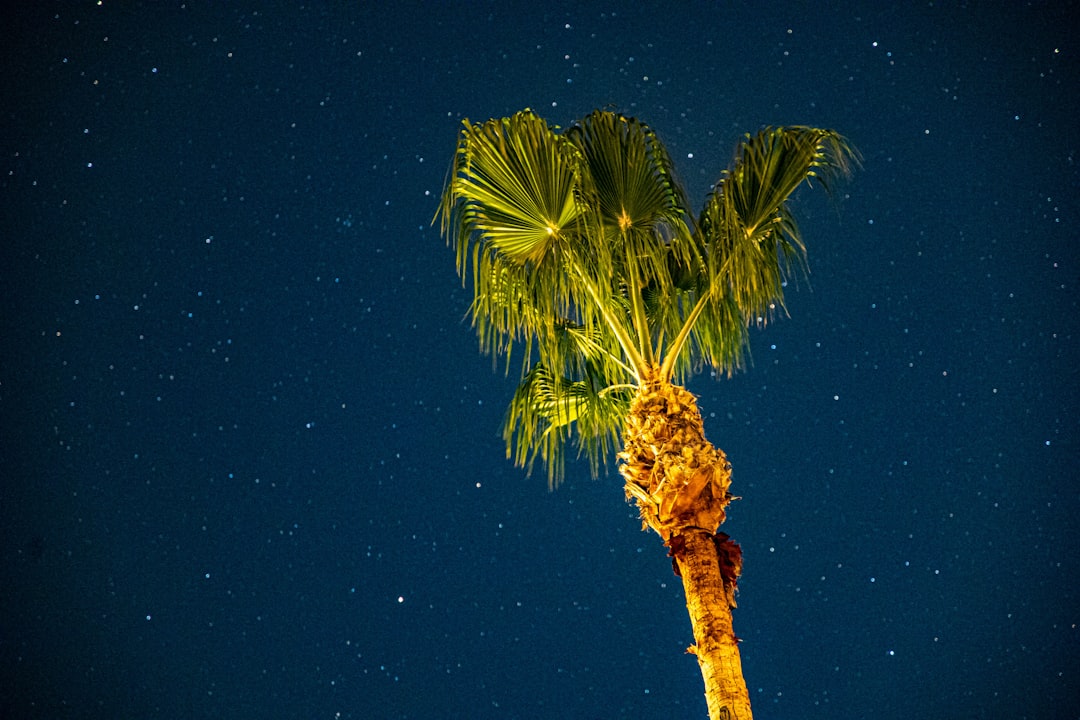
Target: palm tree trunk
x=681 y=483
x=708 y=600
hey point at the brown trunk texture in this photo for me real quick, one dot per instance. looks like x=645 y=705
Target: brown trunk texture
x=715 y=644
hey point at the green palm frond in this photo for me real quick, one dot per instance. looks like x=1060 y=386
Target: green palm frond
x=549 y=413
x=754 y=243
x=635 y=189
x=514 y=183
x=751 y=240
x=514 y=211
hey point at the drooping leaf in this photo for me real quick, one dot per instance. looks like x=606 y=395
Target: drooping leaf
x=548 y=413
x=753 y=241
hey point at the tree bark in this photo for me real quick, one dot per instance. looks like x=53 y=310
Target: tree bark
x=708 y=602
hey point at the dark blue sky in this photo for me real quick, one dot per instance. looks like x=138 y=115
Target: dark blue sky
x=250 y=462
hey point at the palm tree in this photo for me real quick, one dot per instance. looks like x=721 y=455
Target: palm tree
x=590 y=274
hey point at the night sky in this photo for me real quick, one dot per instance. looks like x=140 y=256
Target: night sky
x=250 y=460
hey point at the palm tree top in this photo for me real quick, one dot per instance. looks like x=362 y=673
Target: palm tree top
x=587 y=263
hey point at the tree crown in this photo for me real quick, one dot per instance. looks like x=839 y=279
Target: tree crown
x=586 y=262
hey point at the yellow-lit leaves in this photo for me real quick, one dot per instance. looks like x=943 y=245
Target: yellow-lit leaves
x=752 y=239
x=515 y=185
x=550 y=412
x=587 y=268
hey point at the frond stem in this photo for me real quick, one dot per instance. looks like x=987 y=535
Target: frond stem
x=641 y=323
x=625 y=341
x=618 y=386
x=668 y=365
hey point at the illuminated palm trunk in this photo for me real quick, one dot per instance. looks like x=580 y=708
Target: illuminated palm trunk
x=708 y=600
x=680 y=483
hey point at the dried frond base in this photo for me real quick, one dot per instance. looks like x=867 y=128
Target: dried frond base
x=676 y=476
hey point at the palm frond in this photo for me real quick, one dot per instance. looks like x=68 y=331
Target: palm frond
x=635 y=186
x=751 y=240
x=550 y=412
x=641 y=210
x=754 y=243
x=514 y=211
x=513 y=185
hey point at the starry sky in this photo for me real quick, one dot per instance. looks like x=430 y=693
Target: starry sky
x=250 y=461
